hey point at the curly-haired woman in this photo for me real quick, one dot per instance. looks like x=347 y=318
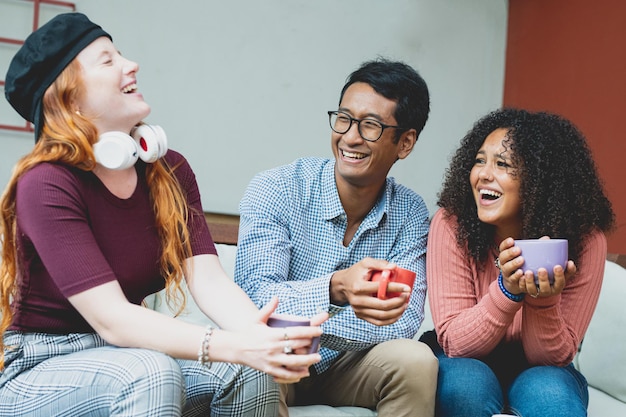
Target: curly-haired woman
x=503 y=342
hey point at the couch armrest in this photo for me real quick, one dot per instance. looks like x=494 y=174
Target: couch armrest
x=602 y=358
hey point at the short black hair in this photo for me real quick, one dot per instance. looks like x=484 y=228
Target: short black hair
x=399 y=82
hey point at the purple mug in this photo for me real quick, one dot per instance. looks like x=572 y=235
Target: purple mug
x=289 y=320
x=543 y=253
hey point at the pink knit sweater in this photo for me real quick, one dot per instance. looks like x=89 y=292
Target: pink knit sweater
x=472 y=315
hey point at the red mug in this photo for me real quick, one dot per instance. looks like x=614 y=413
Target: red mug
x=401 y=275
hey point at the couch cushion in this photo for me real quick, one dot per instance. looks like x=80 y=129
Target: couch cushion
x=328 y=411
x=602 y=358
x=227 y=254
x=603 y=405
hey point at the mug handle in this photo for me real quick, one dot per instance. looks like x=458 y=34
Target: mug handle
x=382 y=284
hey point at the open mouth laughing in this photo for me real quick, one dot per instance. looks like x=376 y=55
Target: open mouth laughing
x=130 y=88
x=352 y=155
x=489 y=195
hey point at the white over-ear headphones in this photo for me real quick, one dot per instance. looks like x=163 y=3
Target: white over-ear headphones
x=117 y=150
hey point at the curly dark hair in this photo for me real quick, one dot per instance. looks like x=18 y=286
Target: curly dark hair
x=561 y=192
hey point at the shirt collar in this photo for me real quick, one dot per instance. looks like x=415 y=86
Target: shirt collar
x=333 y=207
x=330 y=196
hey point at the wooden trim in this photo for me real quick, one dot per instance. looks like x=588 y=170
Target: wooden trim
x=618 y=258
x=224 y=228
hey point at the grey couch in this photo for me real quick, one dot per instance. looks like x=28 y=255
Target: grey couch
x=602 y=358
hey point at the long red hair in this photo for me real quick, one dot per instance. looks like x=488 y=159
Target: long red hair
x=67 y=137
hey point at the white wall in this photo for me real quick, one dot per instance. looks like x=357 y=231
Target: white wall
x=244 y=85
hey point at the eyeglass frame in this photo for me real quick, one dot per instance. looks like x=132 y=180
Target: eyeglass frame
x=358 y=125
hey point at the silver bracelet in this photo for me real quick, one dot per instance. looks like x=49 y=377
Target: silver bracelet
x=203 y=352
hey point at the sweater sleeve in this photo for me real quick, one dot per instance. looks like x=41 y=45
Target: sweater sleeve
x=472 y=316
x=470 y=313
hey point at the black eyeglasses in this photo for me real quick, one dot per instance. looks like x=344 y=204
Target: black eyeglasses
x=370 y=129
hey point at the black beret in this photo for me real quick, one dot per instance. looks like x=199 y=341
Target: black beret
x=43 y=56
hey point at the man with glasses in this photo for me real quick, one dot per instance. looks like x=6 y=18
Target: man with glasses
x=312 y=232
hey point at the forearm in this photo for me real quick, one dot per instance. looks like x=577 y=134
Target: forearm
x=227 y=305
x=217 y=296
x=303 y=298
x=546 y=336
x=262 y=270
x=128 y=325
x=476 y=330
x=144 y=328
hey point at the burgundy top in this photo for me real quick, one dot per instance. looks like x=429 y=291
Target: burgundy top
x=73 y=235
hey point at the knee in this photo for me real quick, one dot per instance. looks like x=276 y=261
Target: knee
x=468 y=378
x=154 y=368
x=146 y=382
x=410 y=358
x=467 y=387
x=553 y=389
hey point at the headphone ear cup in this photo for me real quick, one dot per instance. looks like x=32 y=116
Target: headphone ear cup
x=115 y=150
x=151 y=142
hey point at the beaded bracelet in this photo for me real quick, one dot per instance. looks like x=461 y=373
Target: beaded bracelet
x=515 y=297
x=203 y=352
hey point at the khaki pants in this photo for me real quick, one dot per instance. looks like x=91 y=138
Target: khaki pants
x=397 y=378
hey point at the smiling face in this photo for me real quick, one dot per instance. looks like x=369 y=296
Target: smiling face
x=111 y=99
x=360 y=163
x=496 y=187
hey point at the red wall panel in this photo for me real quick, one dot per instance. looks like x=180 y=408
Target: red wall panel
x=569 y=57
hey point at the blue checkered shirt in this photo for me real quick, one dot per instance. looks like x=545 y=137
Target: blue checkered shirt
x=291 y=242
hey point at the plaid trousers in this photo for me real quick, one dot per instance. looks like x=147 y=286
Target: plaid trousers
x=81 y=375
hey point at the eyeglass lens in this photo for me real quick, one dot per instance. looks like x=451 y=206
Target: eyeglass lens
x=369 y=129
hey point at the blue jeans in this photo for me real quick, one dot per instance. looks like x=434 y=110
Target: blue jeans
x=469 y=387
